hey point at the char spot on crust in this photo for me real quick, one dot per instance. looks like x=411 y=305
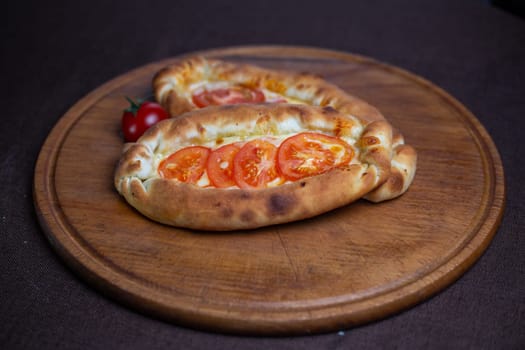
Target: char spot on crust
x=226 y=212
x=329 y=110
x=294 y=109
x=245 y=195
x=395 y=181
x=279 y=204
x=247 y=215
x=369 y=141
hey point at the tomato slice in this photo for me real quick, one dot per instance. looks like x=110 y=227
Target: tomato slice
x=220 y=165
x=186 y=165
x=228 y=96
x=308 y=154
x=254 y=166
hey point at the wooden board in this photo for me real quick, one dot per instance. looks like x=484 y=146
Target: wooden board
x=350 y=266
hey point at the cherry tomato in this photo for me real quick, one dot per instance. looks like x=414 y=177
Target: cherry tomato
x=307 y=154
x=186 y=165
x=225 y=96
x=220 y=165
x=139 y=117
x=254 y=166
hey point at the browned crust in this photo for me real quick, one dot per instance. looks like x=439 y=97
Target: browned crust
x=174 y=203
x=402 y=172
x=183 y=205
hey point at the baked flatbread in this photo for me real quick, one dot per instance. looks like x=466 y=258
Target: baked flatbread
x=198 y=82
x=359 y=154
x=176 y=86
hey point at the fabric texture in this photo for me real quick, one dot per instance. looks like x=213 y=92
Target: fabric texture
x=55 y=53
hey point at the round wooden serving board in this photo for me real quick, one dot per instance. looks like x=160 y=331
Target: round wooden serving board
x=352 y=265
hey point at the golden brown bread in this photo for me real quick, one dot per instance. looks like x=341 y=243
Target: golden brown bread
x=174 y=85
x=179 y=204
x=402 y=172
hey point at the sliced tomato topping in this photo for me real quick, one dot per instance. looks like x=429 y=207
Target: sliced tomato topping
x=307 y=154
x=186 y=165
x=220 y=165
x=254 y=166
x=227 y=96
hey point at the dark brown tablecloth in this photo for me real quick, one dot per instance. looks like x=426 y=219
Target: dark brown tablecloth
x=56 y=52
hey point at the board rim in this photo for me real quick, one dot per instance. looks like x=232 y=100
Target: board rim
x=211 y=319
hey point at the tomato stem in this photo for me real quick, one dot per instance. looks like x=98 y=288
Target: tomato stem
x=135 y=105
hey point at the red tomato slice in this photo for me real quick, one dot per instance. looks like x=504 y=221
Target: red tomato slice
x=254 y=166
x=228 y=96
x=186 y=165
x=220 y=165
x=308 y=154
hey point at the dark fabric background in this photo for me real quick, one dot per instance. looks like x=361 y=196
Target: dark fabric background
x=56 y=52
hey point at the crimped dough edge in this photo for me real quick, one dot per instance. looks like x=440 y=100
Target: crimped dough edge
x=185 y=205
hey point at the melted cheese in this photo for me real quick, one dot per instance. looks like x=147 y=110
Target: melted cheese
x=269 y=95
x=205 y=182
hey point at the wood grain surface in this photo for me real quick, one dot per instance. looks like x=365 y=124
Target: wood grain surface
x=352 y=265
